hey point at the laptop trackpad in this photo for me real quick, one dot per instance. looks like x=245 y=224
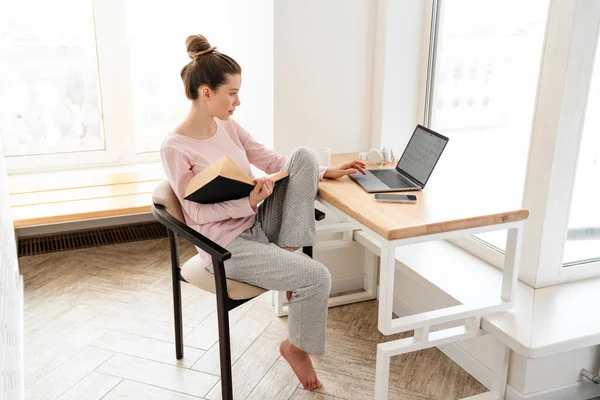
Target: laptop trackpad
x=369 y=182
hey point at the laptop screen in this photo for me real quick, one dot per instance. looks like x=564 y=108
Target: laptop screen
x=421 y=154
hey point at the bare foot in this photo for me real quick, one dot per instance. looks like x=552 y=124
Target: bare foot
x=300 y=362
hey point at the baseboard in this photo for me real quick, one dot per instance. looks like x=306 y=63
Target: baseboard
x=349 y=284
x=575 y=391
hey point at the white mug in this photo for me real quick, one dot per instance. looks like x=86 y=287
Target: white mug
x=324 y=156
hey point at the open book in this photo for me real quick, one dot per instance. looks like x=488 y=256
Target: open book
x=221 y=181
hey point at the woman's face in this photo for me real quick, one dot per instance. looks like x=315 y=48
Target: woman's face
x=225 y=99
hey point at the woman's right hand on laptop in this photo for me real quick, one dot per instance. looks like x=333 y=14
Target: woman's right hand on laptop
x=262 y=190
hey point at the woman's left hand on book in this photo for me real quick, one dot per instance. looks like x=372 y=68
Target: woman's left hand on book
x=262 y=190
x=266 y=179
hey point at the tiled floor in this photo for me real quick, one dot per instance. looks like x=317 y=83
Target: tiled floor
x=99 y=326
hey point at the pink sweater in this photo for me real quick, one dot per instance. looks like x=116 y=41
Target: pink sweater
x=183 y=157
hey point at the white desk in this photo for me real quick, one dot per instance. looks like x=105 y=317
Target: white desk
x=386 y=228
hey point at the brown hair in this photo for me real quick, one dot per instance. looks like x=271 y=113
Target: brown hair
x=208 y=67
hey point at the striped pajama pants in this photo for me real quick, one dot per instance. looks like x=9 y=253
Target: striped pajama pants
x=287 y=219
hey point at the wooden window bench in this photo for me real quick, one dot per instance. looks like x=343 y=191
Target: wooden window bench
x=60 y=197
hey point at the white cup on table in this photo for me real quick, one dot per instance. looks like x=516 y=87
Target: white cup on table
x=324 y=156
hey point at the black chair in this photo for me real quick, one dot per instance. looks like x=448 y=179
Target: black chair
x=230 y=294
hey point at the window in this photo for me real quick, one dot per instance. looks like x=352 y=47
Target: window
x=50 y=97
x=156 y=57
x=97 y=82
x=481 y=93
x=583 y=236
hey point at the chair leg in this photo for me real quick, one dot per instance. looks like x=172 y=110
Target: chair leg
x=308 y=250
x=224 y=338
x=176 y=294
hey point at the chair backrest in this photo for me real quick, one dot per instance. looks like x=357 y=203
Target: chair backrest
x=194 y=271
x=164 y=195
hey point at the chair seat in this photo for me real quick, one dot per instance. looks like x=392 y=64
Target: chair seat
x=196 y=273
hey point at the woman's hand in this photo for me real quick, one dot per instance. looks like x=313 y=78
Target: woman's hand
x=347 y=168
x=262 y=190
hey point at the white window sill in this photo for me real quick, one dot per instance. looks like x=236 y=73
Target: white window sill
x=93 y=176
x=550 y=320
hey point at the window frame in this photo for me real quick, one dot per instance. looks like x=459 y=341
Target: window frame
x=471 y=244
x=577 y=54
x=109 y=21
x=110 y=25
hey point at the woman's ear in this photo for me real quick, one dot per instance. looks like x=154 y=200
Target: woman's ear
x=205 y=92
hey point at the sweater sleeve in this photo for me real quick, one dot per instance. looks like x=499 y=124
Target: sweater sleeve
x=264 y=158
x=178 y=169
x=260 y=156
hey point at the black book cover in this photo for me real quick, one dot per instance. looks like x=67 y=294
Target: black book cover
x=222 y=189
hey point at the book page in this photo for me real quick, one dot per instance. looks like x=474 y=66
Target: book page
x=279 y=175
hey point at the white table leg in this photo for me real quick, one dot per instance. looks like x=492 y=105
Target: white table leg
x=382 y=374
x=511 y=263
x=423 y=339
x=371 y=271
x=386 y=286
x=278 y=307
x=279 y=301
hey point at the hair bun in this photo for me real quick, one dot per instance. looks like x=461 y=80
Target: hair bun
x=197 y=45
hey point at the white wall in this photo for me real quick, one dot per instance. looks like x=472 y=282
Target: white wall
x=323 y=70
x=323 y=61
x=399 y=78
x=252 y=47
x=11 y=301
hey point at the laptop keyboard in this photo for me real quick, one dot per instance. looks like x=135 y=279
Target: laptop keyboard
x=392 y=179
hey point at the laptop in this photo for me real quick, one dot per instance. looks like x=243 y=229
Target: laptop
x=413 y=169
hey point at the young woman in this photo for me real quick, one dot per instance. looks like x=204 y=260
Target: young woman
x=261 y=237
